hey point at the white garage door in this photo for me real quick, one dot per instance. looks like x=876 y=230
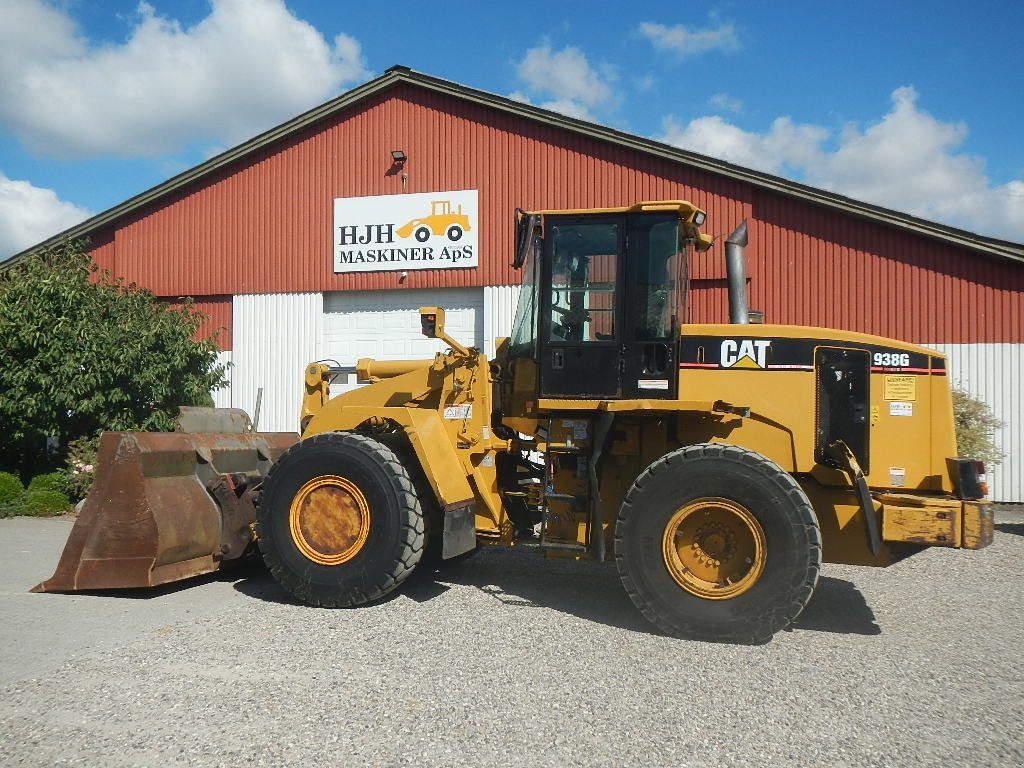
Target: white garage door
x=385 y=325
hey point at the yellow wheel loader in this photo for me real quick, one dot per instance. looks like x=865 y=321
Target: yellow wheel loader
x=717 y=464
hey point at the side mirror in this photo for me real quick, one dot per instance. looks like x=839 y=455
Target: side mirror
x=526 y=225
x=432 y=325
x=431 y=318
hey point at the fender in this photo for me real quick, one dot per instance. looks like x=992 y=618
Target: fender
x=426 y=432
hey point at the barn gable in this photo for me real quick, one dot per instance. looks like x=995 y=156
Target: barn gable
x=252 y=228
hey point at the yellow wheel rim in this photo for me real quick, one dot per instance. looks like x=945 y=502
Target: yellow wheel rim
x=329 y=520
x=714 y=548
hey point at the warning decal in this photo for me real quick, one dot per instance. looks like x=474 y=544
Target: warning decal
x=901 y=388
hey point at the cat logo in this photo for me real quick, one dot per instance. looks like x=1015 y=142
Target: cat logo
x=745 y=353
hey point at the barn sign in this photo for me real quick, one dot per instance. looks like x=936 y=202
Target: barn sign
x=426 y=230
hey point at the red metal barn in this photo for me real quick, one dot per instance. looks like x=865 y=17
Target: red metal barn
x=263 y=238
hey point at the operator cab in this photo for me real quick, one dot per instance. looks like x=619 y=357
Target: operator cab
x=602 y=298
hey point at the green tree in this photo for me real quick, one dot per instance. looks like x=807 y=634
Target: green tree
x=83 y=352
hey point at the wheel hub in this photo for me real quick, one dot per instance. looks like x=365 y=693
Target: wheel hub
x=714 y=543
x=714 y=548
x=329 y=520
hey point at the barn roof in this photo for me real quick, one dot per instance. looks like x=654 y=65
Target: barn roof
x=399 y=75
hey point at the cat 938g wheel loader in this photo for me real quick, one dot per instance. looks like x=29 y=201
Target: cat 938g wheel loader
x=718 y=465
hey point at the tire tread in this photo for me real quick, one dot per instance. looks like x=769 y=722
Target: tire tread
x=411 y=535
x=754 y=632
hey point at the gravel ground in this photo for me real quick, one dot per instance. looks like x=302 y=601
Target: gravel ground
x=510 y=659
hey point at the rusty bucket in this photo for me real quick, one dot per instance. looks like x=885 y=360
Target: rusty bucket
x=165 y=506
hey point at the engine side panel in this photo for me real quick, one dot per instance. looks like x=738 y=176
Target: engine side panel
x=772 y=370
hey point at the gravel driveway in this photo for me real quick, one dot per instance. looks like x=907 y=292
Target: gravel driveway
x=510 y=659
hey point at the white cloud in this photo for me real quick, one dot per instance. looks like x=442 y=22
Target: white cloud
x=726 y=103
x=684 y=42
x=29 y=215
x=784 y=146
x=908 y=161
x=644 y=83
x=245 y=67
x=565 y=82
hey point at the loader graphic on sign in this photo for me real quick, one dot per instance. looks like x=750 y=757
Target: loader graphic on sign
x=441 y=221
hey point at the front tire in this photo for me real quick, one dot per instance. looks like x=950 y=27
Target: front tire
x=718 y=543
x=338 y=521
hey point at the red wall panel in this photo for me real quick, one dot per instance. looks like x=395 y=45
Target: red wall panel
x=816 y=266
x=218 y=317
x=264 y=225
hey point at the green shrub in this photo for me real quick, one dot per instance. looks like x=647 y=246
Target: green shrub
x=44 y=503
x=45 y=496
x=83 y=351
x=51 y=481
x=10 y=488
x=975 y=428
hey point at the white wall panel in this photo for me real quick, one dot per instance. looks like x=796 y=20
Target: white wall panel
x=274 y=335
x=222 y=397
x=994 y=373
x=499 y=310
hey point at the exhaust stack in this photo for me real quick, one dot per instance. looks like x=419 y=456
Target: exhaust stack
x=736 y=271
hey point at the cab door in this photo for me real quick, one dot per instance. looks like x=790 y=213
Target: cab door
x=580 y=313
x=653 y=277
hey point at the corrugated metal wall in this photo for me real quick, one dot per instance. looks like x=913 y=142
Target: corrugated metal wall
x=264 y=226
x=992 y=373
x=275 y=336
x=499 y=311
x=218 y=312
x=222 y=397
x=815 y=266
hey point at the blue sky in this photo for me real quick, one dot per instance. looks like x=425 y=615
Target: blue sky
x=915 y=106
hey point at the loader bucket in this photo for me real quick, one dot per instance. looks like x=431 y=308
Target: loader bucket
x=165 y=506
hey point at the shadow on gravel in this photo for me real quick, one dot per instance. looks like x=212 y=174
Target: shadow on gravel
x=515 y=578
x=1014 y=529
x=592 y=591
x=260 y=584
x=837 y=606
x=250 y=568
x=523 y=580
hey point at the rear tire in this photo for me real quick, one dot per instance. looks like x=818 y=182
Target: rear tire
x=718 y=543
x=338 y=520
